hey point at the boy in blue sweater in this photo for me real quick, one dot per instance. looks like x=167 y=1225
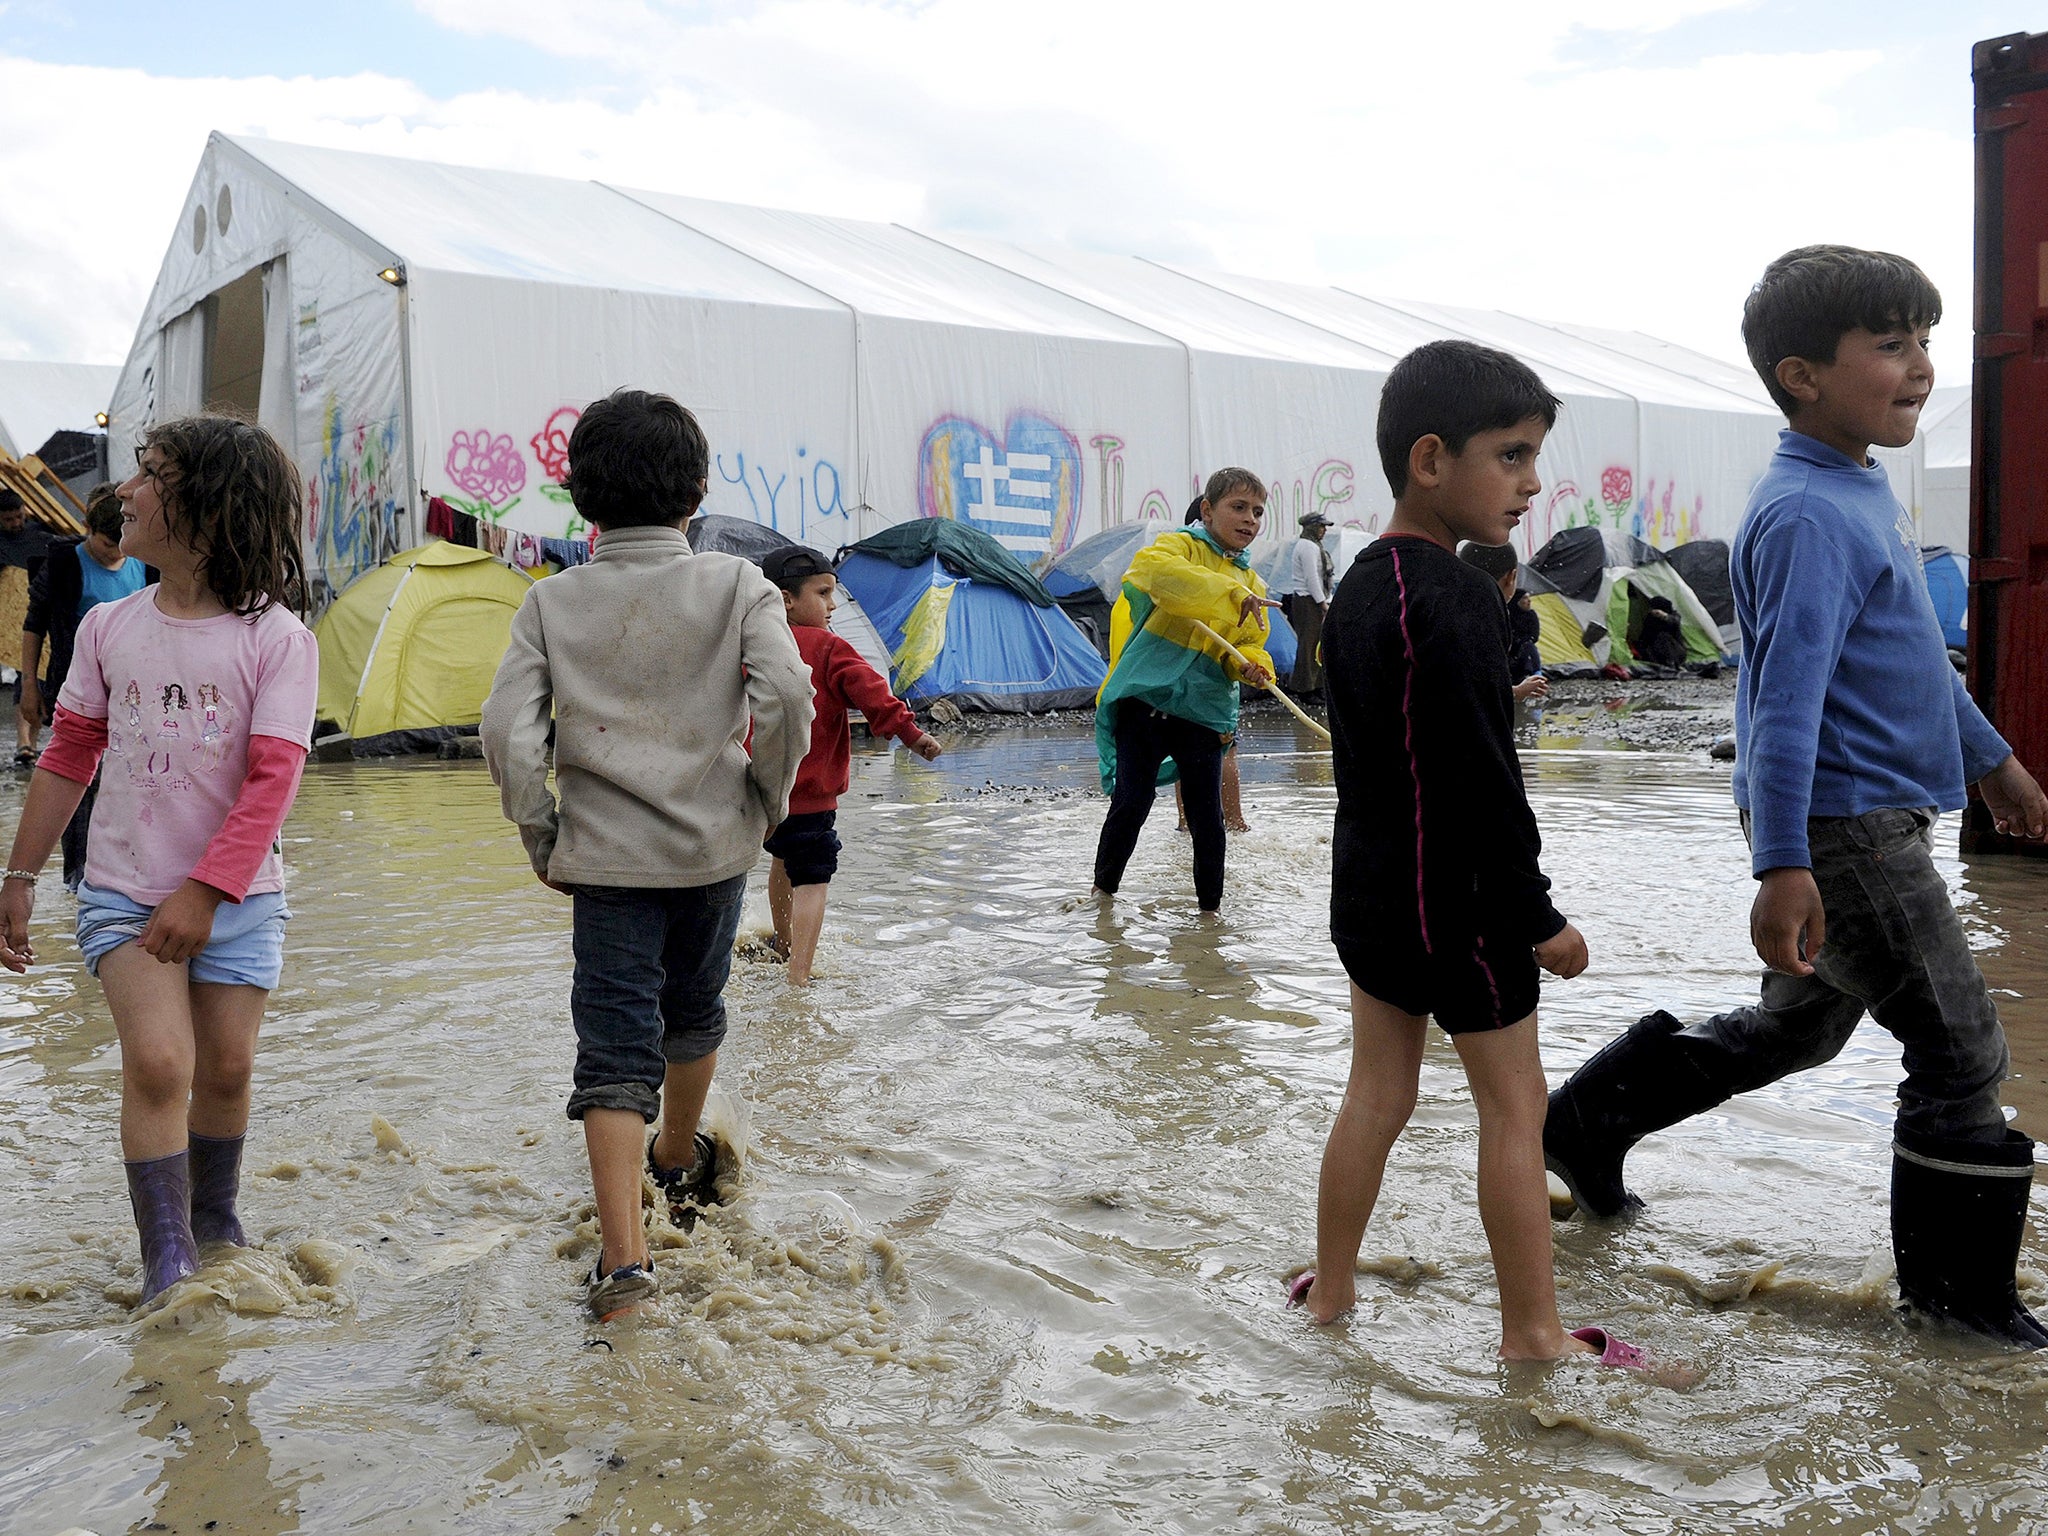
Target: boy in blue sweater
x=1854 y=731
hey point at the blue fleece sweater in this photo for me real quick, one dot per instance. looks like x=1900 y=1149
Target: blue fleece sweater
x=1847 y=702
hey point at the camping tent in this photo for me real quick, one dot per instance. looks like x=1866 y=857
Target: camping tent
x=410 y=328
x=1587 y=586
x=965 y=621
x=1949 y=585
x=412 y=647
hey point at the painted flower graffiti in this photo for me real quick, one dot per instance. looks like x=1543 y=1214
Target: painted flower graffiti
x=488 y=469
x=551 y=447
x=1617 y=488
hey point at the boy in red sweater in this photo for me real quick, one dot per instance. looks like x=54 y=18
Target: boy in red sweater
x=805 y=846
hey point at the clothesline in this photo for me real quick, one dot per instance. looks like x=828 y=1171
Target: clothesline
x=526 y=551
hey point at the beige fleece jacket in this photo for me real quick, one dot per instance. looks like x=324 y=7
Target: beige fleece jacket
x=651 y=660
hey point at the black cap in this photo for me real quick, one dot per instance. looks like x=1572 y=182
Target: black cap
x=793 y=565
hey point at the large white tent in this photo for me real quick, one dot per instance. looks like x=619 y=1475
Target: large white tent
x=414 y=329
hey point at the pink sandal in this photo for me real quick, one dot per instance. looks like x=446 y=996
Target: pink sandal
x=1299 y=1287
x=1613 y=1351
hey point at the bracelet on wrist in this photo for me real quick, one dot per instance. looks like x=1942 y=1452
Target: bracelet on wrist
x=30 y=875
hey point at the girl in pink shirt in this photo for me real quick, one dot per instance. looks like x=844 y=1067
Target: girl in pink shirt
x=199 y=693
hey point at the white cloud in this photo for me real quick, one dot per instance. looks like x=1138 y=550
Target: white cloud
x=1451 y=152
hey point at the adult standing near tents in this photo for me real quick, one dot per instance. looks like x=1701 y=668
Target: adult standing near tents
x=1171 y=691
x=1314 y=578
x=23 y=547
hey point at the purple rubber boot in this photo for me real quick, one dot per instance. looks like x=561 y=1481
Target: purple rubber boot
x=216 y=1176
x=160 y=1192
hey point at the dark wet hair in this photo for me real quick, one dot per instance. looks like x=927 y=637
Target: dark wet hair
x=1494 y=559
x=1809 y=299
x=233 y=495
x=9 y=501
x=103 y=510
x=1454 y=390
x=637 y=460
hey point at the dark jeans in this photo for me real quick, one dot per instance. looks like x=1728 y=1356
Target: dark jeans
x=651 y=965
x=1145 y=739
x=1895 y=948
x=1307 y=618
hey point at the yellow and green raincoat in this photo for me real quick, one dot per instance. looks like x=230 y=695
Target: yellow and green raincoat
x=1155 y=654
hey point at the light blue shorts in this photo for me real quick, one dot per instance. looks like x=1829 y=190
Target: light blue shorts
x=246 y=948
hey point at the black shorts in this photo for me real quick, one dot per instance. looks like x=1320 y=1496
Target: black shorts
x=807 y=846
x=1468 y=984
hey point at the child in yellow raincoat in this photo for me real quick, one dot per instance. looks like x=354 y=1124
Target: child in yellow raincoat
x=1171 y=691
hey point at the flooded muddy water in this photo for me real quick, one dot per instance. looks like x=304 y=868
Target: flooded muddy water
x=1020 y=1181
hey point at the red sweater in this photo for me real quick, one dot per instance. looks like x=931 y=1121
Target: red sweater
x=841 y=679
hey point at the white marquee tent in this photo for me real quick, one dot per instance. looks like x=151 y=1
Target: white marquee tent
x=414 y=329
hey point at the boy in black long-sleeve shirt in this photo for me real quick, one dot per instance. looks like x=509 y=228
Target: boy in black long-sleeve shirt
x=1438 y=906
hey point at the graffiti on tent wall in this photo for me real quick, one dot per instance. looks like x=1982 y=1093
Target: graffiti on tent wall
x=352 y=501
x=805 y=498
x=1023 y=486
x=1661 y=520
x=551 y=449
x=488 y=469
x=1153 y=507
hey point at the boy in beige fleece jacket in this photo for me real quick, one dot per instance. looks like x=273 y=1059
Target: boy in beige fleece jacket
x=652 y=662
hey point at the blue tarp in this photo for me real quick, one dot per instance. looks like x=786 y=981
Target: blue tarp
x=1000 y=653
x=1950 y=589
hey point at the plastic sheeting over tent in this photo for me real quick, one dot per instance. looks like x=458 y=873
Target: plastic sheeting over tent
x=710 y=531
x=963 y=637
x=413 y=646
x=411 y=328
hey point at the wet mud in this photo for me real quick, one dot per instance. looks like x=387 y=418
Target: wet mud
x=1015 y=1188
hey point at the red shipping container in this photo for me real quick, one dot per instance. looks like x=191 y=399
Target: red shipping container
x=2009 y=443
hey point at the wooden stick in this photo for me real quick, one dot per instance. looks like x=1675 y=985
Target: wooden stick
x=1273 y=688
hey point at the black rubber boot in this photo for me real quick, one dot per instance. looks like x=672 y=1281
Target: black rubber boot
x=160 y=1193
x=216 y=1177
x=1959 y=1210
x=1638 y=1083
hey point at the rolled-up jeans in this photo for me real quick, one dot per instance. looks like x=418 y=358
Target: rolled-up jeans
x=651 y=966
x=1893 y=947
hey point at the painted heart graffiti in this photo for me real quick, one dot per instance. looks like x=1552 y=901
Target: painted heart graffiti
x=1023 y=486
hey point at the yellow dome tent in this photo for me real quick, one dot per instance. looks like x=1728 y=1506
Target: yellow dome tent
x=415 y=643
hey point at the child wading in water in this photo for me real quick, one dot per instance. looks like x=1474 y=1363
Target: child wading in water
x=1438 y=907
x=182 y=912
x=806 y=845
x=650 y=661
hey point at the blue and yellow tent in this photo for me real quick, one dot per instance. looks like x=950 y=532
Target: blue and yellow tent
x=965 y=621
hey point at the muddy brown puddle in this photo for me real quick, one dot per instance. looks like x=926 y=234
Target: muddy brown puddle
x=1020 y=1182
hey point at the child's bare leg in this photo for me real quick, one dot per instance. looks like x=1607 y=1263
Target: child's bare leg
x=1233 y=795
x=613 y=1138
x=1386 y=1065
x=778 y=904
x=806 y=922
x=225 y=1023
x=1506 y=1073
x=684 y=1087
x=152 y=1007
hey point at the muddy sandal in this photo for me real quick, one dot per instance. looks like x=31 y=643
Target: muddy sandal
x=689 y=1191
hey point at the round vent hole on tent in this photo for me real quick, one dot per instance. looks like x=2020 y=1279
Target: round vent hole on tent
x=199 y=228
x=223 y=210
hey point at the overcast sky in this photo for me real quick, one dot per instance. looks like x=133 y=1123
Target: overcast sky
x=1630 y=163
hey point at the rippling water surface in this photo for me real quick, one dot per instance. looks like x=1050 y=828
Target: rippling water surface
x=1020 y=1182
